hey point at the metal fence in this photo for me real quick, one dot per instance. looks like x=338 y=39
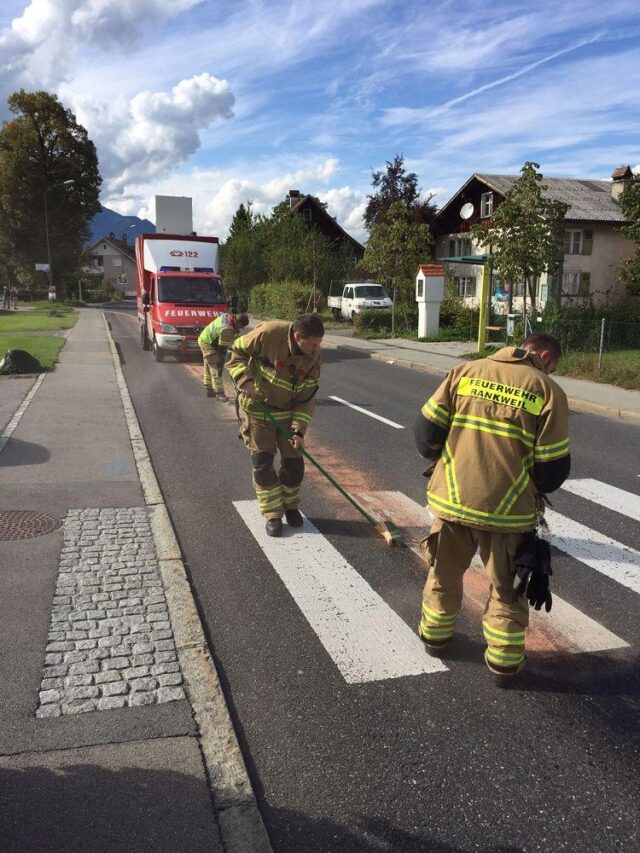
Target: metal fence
x=602 y=349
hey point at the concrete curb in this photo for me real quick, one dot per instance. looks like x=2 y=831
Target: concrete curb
x=575 y=403
x=241 y=827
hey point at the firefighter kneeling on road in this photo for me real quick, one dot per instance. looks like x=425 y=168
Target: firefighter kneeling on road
x=214 y=342
x=277 y=367
x=496 y=435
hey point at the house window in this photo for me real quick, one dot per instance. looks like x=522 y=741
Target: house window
x=486 y=205
x=465 y=285
x=576 y=284
x=117 y=262
x=573 y=242
x=459 y=246
x=307 y=214
x=98 y=261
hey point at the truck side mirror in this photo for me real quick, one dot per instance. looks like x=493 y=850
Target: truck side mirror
x=234 y=304
x=145 y=299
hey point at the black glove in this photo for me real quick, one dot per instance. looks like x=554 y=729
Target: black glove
x=532 y=562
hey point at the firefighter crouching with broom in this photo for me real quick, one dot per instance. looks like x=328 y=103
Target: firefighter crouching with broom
x=277 y=367
x=214 y=341
x=496 y=436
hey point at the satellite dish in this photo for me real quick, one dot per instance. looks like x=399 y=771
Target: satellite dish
x=466 y=211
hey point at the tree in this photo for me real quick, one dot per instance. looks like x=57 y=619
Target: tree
x=392 y=185
x=40 y=149
x=395 y=248
x=243 y=256
x=242 y=221
x=630 y=205
x=525 y=232
x=297 y=250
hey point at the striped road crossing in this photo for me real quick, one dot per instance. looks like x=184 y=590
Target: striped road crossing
x=365 y=638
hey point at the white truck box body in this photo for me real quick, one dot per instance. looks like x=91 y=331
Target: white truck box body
x=186 y=254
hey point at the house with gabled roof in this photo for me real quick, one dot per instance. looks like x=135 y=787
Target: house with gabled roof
x=314 y=212
x=112 y=259
x=587 y=262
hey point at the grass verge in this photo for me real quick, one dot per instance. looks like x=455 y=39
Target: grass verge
x=37 y=320
x=620 y=368
x=43 y=347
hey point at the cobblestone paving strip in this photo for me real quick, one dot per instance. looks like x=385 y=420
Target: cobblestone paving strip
x=110 y=641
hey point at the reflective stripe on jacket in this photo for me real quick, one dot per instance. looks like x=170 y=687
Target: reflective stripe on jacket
x=220 y=331
x=498 y=425
x=285 y=379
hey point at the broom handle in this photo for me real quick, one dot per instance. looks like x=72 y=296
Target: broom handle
x=306 y=453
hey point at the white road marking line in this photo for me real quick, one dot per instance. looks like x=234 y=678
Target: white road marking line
x=610 y=497
x=600 y=552
x=580 y=633
x=15 y=420
x=366 y=639
x=365 y=412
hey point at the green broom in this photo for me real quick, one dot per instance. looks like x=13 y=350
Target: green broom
x=387 y=529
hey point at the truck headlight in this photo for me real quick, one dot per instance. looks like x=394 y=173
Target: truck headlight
x=168 y=329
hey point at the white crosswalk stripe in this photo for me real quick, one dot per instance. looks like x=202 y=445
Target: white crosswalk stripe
x=626 y=503
x=594 y=549
x=574 y=631
x=366 y=639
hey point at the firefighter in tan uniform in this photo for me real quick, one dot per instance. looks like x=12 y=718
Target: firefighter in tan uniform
x=277 y=366
x=214 y=341
x=496 y=435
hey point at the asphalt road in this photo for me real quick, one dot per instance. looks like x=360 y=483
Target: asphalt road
x=440 y=761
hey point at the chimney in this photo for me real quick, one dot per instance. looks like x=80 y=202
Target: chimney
x=620 y=177
x=294 y=197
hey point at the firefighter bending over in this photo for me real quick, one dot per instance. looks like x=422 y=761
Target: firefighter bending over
x=214 y=341
x=277 y=366
x=496 y=435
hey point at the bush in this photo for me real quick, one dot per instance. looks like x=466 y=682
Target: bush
x=373 y=320
x=456 y=315
x=281 y=300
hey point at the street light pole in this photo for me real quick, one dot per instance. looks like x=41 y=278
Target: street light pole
x=46 y=223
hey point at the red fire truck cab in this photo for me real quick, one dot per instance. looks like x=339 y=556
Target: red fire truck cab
x=178 y=291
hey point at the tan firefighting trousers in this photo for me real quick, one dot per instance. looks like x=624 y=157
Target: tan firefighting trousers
x=276 y=492
x=213 y=359
x=449 y=550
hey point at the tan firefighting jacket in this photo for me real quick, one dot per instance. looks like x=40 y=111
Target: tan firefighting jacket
x=500 y=429
x=285 y=379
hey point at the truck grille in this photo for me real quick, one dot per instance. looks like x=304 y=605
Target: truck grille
x=189 y=330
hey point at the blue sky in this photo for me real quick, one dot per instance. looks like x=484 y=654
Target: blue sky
x=227 y=102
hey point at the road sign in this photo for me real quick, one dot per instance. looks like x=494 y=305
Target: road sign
x=42 y=267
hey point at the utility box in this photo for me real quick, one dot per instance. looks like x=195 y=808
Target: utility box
x=174 y=215
x=429 y=296
x=511 y=325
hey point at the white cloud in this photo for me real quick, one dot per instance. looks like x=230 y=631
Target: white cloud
x=217 y=194
x=38 y=47
x=151 y=134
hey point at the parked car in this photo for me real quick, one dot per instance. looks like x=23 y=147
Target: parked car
x=357 y=297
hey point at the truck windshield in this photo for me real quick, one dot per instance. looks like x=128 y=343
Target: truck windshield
x=371 y=291
x=189 y=290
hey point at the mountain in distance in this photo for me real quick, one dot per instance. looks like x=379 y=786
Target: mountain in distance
x=108 y=222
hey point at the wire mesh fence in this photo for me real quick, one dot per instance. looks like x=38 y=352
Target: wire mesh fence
x=604 y=350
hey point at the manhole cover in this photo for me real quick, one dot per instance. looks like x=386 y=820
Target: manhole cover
x=23 y=524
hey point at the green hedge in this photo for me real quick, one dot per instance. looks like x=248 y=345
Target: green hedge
x=283 y=300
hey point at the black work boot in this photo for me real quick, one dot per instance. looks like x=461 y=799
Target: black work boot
x=294 y=517
x=435 y=647
x=274 y=527
x=210 y=392
x=223 y=397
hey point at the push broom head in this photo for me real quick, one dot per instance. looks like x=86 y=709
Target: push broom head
x=390 y=534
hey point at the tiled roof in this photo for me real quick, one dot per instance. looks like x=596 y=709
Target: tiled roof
x=588 y=200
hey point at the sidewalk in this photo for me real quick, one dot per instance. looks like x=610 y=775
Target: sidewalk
x=584 y=396
x=114 y=733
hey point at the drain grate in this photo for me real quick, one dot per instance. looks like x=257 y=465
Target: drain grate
x=24 y=524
